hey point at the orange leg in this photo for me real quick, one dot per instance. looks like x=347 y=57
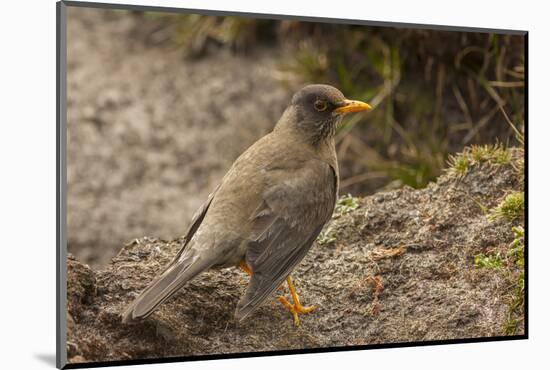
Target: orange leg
x=295 y=308
x=245 y=268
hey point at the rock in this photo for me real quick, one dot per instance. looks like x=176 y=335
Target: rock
x=401 y=269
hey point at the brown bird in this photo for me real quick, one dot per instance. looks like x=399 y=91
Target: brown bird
x=268 y=210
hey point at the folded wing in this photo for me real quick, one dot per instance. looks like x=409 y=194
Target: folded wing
x=284 y=226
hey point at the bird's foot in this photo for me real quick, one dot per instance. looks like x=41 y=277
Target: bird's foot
x=295 y=308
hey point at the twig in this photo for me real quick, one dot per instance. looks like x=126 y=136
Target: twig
x=481 y=123
x=519 y=135
x=360 y=178
x=462 y=104
x=507 y=84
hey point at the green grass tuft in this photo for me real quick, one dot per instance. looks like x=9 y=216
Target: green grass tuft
x=459 y=164
x=495 y=154
x=511 y=208
x=491 y=261
x=516 y=303
x=516 y=247
x=515 y=312
x=512 y=266
x=489 y=153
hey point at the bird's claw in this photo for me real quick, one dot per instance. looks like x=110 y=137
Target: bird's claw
x=295 y=309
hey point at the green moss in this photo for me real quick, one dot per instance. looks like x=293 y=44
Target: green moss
x=511 y=208
x=502 y=157
x=491 y=261
x=326 y=236
x=512 y=267
x=459 y=164
x=345 y=204
x=516 y=247
x=516 y=306
x=514 y=318
x=516 y=301
x=489 y=153
x=477 y=154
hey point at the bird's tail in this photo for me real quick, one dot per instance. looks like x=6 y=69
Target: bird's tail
x=164 y=286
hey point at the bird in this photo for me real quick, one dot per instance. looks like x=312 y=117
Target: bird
x=267 y=211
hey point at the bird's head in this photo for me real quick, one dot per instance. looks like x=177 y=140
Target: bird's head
x=320 y=108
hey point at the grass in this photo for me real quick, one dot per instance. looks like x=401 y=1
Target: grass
x=460 y=163
x=489 y=153
x=433 y=92
x=516 y=302
x=516 y=307
x=513 y=267
x=491 y=261
x=511 y=208
x=410 y=129
x=517 y=246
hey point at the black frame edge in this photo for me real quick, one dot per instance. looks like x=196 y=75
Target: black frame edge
x=526 y=189
x=291 y=352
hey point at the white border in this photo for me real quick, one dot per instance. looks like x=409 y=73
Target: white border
x=27 y=206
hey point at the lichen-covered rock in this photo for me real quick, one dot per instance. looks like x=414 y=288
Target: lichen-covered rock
x=396 y=267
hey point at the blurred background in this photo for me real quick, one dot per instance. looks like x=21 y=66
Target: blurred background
x=160 y=105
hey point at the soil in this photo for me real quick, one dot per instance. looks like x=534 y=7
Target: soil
x=151 y=133
x=400 y=268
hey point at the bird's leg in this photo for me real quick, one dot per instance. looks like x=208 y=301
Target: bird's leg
x=245 y=268
x=295 y=308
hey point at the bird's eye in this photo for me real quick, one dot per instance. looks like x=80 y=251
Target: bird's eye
x=320 y=105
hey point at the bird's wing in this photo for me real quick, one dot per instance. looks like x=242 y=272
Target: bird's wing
x=292 y=213
x=195 y=223
x=173 y=276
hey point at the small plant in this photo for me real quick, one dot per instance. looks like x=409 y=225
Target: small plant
x=492 y=262
x=511 y=208
x=459 y=164
x=517 y=245
x=478 y=154
x=327 y=236
x=515 y=316
x=501 y=156
x=345 y=204
x=489 y=153
x=515 y=305
x=515 y=299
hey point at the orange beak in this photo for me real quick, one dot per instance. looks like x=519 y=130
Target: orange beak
x=351 y=106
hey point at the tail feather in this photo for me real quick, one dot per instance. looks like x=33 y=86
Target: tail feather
x=163 y=287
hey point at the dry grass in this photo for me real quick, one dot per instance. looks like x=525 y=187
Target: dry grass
x=434 y=92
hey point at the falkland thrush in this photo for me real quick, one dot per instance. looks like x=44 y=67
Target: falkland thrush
x=268 y=209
